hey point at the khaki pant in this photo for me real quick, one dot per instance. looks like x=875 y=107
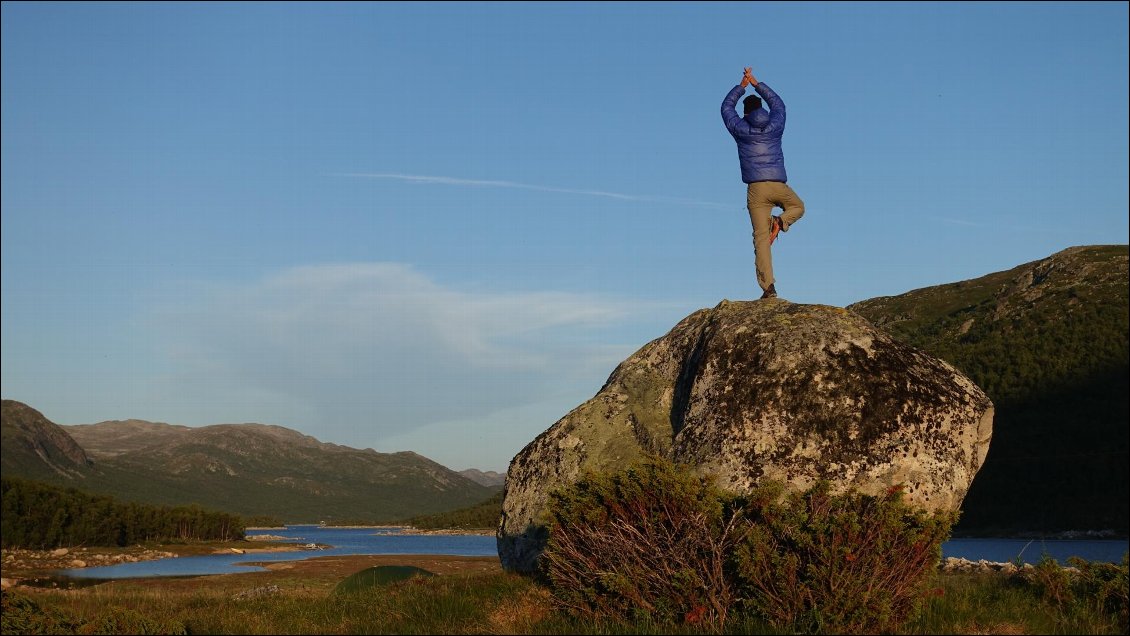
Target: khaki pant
x=761 y=198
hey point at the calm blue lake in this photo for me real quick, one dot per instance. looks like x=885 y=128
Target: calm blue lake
x=346 y=541
x=1031 y=551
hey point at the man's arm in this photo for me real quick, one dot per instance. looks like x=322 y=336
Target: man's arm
x=776 y=107
x=730 y=104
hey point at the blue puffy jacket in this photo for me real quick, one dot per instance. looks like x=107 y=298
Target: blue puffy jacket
x=758 y=135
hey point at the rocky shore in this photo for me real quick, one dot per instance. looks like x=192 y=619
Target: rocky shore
x=956 y=565
x=20 y=564
x=399 y=530
x=77 y=558
x=483 y=532
x=266 y=537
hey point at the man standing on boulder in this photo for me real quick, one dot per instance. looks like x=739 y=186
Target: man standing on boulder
x=758 y=135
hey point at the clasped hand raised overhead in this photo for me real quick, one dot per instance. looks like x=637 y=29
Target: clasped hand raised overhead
x=748 y=78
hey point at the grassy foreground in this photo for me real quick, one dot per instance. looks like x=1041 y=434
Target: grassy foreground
x=471 y=595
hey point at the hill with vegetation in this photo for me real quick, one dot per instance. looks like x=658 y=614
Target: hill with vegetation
x=481 y=516
x=1048 y=341
x=246 y=469
x=35 y=448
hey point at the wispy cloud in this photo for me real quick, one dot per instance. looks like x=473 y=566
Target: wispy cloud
x=487 y=183
x=962 y=222
x=361 y=353
x=1026 y=226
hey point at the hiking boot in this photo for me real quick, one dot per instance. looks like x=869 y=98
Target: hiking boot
x=771 y=292
x=775 y=225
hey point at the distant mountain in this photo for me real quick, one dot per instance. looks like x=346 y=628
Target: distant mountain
x=1048 y=341
x=248 y=469
x=110 y=439
x=484 y=478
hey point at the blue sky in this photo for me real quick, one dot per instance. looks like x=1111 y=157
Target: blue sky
x=439 y=227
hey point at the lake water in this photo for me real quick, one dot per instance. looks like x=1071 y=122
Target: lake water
x=346 y=541
x=1031 y=551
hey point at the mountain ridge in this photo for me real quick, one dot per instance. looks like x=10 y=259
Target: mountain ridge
x=249 y=469
x=484 y=477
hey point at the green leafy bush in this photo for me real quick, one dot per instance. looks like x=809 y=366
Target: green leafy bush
x=647 y=543
x=1091 y=588
x=1107 y=586
x=1051 y=581
x=848 y=563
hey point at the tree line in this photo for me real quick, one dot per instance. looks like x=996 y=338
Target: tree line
x=480 y=516
x=39 y=516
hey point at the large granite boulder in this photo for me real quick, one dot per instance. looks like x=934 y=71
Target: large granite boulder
x=765 y=390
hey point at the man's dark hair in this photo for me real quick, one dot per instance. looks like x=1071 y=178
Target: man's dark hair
x=751 y=103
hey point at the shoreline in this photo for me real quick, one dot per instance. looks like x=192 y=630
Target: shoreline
x=1063 y=535
x=17 y=564
x=47 y=563
x=410 y=530
x=24 y=567
x=482 y=532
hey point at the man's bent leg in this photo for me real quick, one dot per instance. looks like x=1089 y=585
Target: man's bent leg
x=791 y=205
x=760 y=210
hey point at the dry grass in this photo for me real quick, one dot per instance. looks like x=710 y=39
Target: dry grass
x=518 y=615
x=472 y=596
x=1005 y=629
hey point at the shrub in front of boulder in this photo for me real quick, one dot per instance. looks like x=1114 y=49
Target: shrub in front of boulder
x=844 y=563
x=656 y=542
x=648 y=543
